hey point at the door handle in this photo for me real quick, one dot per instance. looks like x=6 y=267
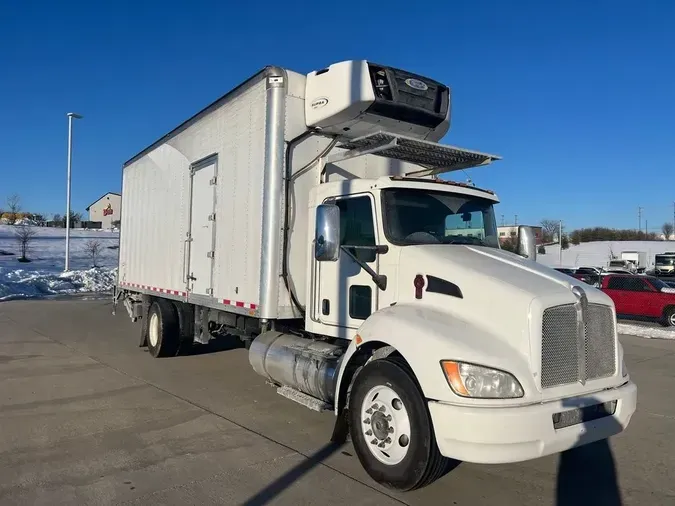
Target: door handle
x=185 y=258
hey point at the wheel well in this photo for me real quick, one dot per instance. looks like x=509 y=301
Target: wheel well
x=372 y=350
x=668 y=308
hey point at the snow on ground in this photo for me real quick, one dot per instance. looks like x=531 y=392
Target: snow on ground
x=44 y=275
x=596 y=254
x=645 y=331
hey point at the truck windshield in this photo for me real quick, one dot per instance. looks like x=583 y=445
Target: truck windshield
x=665 y=260
x=433 y=217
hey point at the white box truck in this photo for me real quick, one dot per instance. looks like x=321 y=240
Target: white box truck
x=303 y=215
x=637 y=258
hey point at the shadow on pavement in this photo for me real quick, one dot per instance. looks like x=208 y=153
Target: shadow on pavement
x=587 y=474
x=275 y=488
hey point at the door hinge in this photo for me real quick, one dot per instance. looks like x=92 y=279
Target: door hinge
x=209 y=291
x=213 y=180
x=212 y=217
x=211 y=254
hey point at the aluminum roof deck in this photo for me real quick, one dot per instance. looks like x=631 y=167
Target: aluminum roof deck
x=435 y=158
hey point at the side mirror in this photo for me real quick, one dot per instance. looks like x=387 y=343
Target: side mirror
x=327 y=233
x=527 y=243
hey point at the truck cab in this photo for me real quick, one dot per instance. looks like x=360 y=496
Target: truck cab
x=664 y=264
x=389 y=226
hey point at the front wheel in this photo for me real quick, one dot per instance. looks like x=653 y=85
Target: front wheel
x=669 y=317
x=391 y=427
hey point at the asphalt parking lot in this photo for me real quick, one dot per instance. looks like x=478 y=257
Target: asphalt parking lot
x=87 y=417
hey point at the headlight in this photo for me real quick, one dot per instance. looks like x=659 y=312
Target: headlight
x=469 y=380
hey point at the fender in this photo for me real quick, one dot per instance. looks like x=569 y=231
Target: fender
x=424 y=336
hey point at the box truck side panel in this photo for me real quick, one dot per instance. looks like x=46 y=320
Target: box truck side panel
x=235 y=135
x=154 y=221
x=163 y=202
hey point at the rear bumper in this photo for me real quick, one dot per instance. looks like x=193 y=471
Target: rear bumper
x=513 y=434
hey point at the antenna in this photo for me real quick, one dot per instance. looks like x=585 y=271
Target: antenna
x=469 y=181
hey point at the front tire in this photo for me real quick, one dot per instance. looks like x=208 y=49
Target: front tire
x=163 y=329
x=669 y=317
x=391 y=427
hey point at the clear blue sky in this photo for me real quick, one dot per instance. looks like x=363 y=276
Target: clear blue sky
x=578 y=98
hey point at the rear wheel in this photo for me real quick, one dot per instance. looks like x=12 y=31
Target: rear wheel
x=669 y=317
x=163 y=329
x=391 y=427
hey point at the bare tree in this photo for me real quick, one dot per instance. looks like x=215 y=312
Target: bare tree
x=57 y=219
x=13 y=208
x=667 y=230
x=549 y=229
x=24 y=235
x=93 y=247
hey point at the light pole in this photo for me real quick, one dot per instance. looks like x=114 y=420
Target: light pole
x=560 y=241
x=71 y=116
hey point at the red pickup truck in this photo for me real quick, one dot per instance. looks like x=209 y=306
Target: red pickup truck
x=641 y=297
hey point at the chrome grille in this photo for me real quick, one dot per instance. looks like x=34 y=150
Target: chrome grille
x=567 y=357
x=600 y=342
x=559 y=346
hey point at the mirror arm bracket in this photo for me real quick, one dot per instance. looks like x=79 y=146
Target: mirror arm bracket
x=380 y=280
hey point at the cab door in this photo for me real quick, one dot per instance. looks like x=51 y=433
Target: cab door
x=347 y=294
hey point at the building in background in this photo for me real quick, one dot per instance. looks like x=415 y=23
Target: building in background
x=106 y=210
x=511 y=232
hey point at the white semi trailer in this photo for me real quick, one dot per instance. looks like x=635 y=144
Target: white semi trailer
x=303 y=215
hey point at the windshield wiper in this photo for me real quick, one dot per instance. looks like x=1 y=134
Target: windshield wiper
x=464 y=241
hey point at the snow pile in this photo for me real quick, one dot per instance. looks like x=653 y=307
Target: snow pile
x=646 y=332
x=43 y=276
x=25 y=284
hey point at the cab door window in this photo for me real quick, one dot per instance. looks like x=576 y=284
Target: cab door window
x=357 y=227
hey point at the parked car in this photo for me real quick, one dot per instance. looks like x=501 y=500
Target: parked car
x=641 y=298
x=593 y=274
x=581 y=276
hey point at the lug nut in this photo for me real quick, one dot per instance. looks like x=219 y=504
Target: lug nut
x=381 y=445
x=382 y=408
x=388 y=440
x=391 y=430
x=374 y=441
x=369 y=433
x=369 y=411
x=367 y=421
x=388 y=418
x=376 y=406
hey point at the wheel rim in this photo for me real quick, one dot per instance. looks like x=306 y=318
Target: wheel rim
x=671 y=319
x=385 y=425
x=154 y=329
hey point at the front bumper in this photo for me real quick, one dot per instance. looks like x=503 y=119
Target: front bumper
x=513 y=434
